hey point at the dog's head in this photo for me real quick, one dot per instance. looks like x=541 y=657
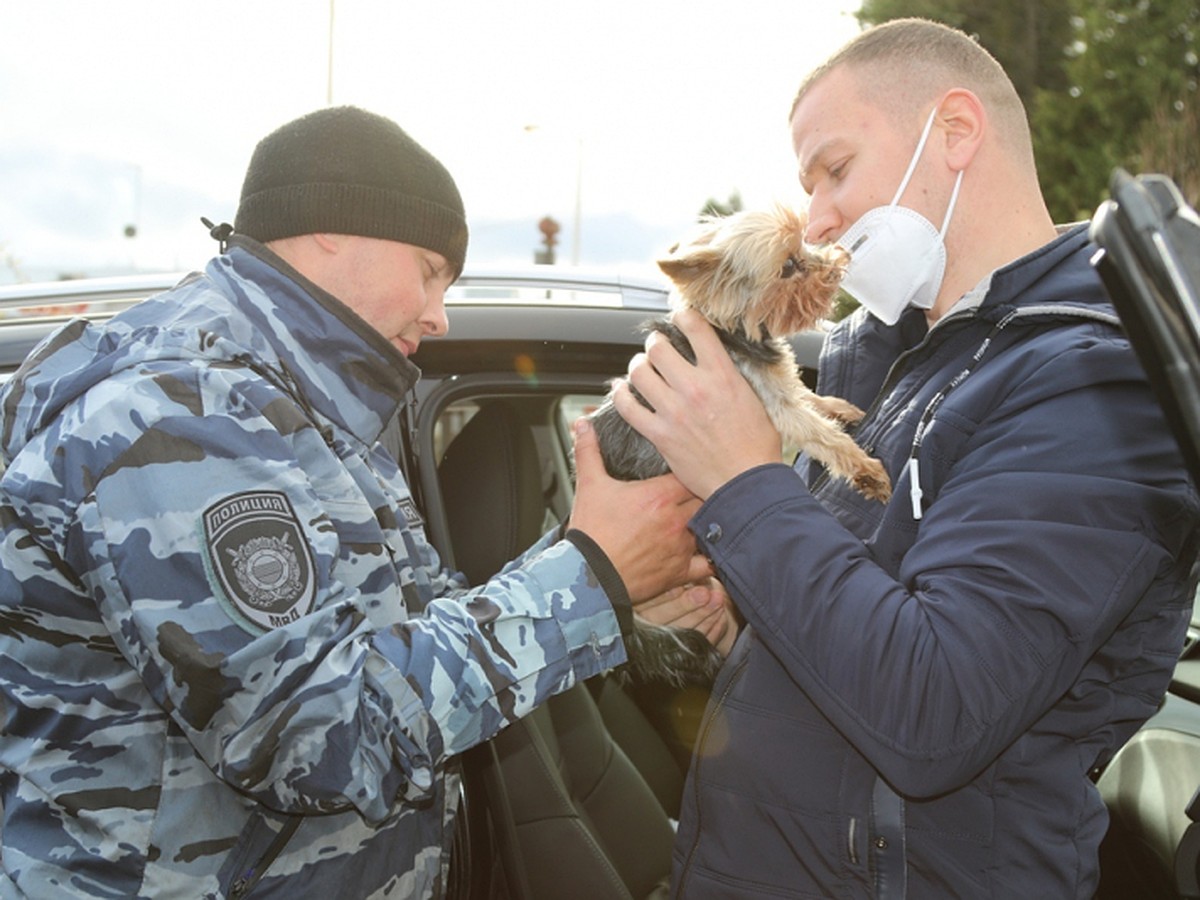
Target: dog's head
x=752 y=271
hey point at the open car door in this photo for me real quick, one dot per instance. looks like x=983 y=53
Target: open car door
x=1150 y=264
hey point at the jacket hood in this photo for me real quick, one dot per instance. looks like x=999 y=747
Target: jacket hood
x=247 y=308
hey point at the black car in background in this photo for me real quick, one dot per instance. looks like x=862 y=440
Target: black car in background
x=578 y=798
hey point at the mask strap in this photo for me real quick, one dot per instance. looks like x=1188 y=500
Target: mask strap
x=912 y=164
x=953 y=200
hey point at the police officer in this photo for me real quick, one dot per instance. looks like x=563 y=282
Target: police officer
x=229 y=657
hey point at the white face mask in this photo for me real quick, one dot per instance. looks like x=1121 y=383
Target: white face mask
x=897 y=257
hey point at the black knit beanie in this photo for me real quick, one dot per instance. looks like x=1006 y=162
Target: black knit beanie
x=344 y=170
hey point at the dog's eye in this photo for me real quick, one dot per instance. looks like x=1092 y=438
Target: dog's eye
x=790 y=267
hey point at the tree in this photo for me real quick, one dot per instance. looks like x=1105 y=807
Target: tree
x=714 y=207
x=1170 y=143
x=1106 y=83
x=1027 y=37
x=1133 y=71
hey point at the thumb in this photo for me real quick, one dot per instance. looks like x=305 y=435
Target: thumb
x=699 y=568
x=587 y=449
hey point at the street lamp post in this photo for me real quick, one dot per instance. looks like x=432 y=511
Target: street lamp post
x=575 y=232
x=329 y=61
x=577 y=218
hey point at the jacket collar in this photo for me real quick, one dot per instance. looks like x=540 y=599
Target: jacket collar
x=333 y=359
x=1025 y=278
x=861 y=349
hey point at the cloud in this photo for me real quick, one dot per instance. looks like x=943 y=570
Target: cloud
x=117 y=113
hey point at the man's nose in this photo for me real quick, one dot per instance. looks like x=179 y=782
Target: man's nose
x=822 y=224
x=435 y=320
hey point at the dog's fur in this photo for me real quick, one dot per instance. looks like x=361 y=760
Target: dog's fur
x=752 y=276
x=755 y=279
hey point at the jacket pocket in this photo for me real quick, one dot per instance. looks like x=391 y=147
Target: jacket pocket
x=262 y=839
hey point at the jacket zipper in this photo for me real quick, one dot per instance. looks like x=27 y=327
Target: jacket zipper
x=245 y=882
x=889 y=382
x=697 y=757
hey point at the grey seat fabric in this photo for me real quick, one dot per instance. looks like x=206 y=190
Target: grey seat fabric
x=490 y=478
x=1146 y=788
x=569 y=812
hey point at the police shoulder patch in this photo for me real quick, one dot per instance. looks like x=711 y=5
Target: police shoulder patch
x=260 y=559
x=408 y=509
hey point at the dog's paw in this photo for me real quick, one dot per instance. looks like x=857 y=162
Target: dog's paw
x=871 y=480
x=837 y=409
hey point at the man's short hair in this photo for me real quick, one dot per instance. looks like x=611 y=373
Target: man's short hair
x=917 y=60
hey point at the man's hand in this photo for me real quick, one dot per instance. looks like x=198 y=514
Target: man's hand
x=640 y=525
x=707 y=421
x=704 y=606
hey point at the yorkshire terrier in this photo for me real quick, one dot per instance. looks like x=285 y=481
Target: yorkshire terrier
x=756 y=280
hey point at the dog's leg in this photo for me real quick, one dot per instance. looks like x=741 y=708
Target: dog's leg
x=835 y=408
x=825 y=442
x=792 y=408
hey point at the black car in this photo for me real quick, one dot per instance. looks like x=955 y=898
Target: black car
x=578 y=798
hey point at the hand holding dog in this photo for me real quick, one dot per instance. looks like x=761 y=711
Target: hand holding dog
x=640 y=525
x=707 y=422
x=704 y=607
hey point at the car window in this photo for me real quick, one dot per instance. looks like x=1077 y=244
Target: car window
x=572 y=406
x=452 y=420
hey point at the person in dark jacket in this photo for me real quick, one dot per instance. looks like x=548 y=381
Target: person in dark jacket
x=923 y=687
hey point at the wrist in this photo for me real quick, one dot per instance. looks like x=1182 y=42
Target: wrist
x=607 y=575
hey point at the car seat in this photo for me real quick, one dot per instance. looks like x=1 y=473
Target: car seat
x=566 y=809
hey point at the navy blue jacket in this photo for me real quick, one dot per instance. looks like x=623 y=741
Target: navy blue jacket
x=923 y=687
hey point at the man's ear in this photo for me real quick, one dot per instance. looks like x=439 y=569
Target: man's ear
x=330 y=243
x=963 y=122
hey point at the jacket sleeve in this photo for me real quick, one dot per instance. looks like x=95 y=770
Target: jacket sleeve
x=327 y=690
x=1066 y=509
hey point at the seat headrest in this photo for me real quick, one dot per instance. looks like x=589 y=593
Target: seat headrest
x=491 y=486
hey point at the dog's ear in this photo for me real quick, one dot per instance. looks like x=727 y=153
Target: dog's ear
x=695 y=262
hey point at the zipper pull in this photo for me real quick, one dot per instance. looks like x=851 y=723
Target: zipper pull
x=914 y=490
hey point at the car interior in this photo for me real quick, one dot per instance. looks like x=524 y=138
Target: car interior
x=585 y=786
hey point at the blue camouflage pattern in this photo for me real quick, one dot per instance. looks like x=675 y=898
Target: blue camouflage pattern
x=274 y=693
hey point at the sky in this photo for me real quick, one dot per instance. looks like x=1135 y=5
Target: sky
x=626 y=114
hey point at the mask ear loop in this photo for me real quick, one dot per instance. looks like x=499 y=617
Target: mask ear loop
x=912 y=167
x=912 y=163
x=950 y=208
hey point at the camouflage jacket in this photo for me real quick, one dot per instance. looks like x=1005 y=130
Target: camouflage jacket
x=228 y=654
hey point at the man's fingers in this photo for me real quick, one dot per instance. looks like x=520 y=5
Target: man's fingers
x=664 y=599
x=700 y=568
x=631 y=409
x=701 y=335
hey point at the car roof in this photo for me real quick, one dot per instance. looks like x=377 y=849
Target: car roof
x=495 y=313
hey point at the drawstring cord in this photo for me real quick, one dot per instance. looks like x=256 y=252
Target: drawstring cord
x=915 y=492
x=219 y=233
